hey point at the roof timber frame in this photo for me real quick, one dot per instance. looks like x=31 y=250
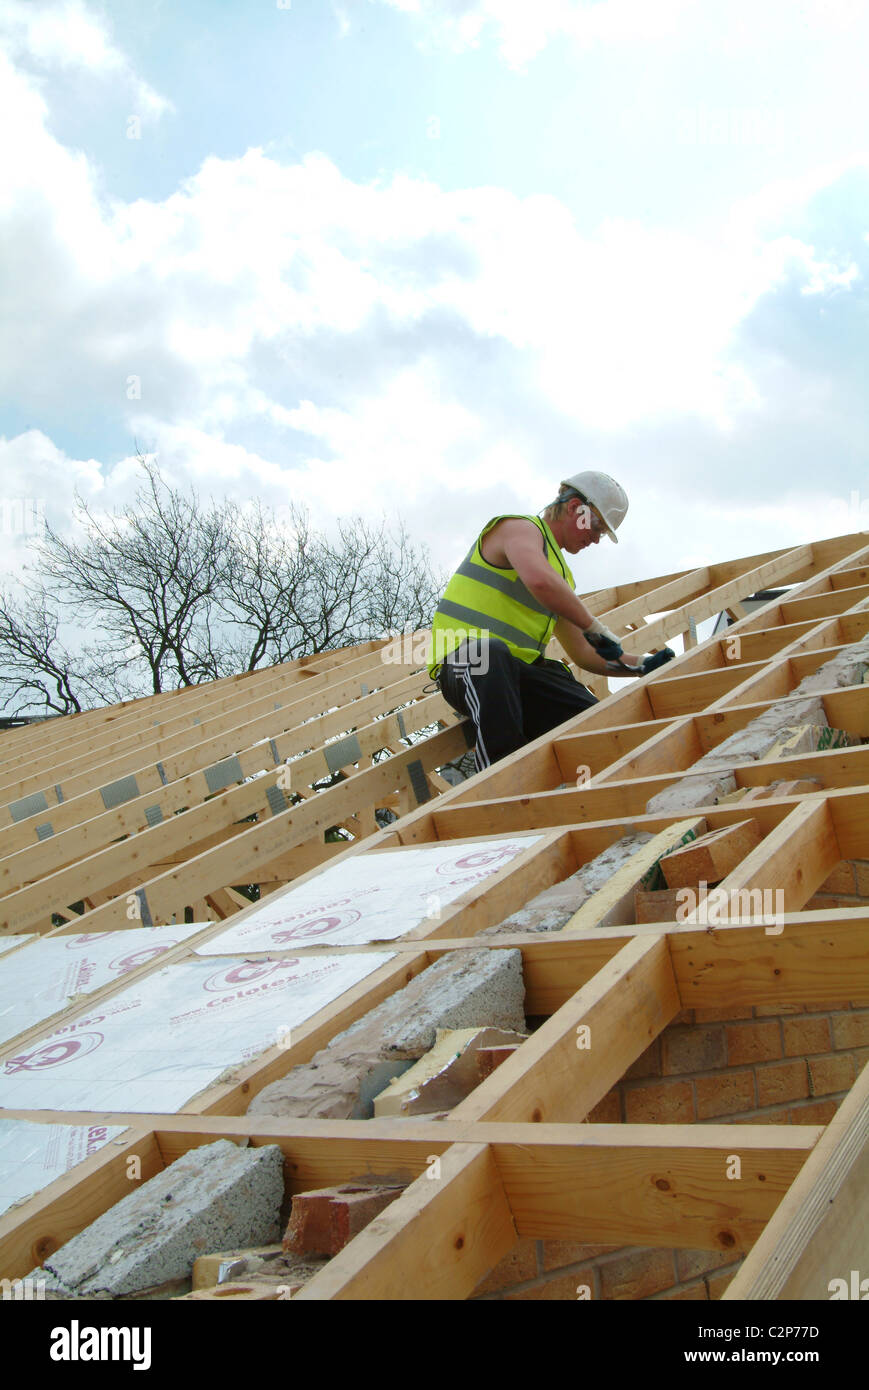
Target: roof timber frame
x=87 y=733
x=650 y=1184
x=541 y=1170
x=80 y=834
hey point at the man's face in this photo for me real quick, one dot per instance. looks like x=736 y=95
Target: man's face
x=584 y=527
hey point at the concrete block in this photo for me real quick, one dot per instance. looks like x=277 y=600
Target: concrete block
x=757 y=738
x=752 y=741
x=710 y=779
x=554 y=907
x=778 y=732
x=548 y=911
x=323 y=1221
x=485 y=987
x=847 y=667
x=462 y=990
x=445 y=1075
x=213 y=1197
x=791 y=710
x=807 y=738
x=701 y=789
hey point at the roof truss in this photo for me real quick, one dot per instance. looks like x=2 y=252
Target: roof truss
x=516 y=1158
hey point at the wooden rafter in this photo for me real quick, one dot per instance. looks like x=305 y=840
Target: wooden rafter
x=515 y=1161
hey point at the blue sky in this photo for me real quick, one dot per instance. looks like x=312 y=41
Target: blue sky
x=428 y=257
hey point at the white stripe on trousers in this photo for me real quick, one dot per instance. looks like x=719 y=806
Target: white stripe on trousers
x=481 y=756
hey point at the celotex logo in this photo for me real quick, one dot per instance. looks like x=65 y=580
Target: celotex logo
x=319 y=925
x=477 y=864
x=247 y=973
x=55 y=1053
x=124 y=964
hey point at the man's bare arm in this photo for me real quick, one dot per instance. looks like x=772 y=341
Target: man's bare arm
x=516 y=542
x=521 y=546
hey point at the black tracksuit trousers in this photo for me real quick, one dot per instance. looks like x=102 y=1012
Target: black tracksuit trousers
x=510 y=702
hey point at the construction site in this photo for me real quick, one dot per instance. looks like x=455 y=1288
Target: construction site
x=292 y=1008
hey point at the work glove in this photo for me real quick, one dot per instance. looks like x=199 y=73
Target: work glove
x=605 y=643
x=650 y=662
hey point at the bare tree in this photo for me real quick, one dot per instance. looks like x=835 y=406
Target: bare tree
x=265 y=579
x=37 y=668
x=179 y=592
x=147 y=576
x=293 y=592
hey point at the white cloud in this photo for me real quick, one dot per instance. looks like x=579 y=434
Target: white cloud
x=779 y=203
x=66 y=34
x=387 y=346
x=523 y=28
x=623 y=326
x=40 y=483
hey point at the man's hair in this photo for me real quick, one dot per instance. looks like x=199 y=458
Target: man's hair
x=559 y=506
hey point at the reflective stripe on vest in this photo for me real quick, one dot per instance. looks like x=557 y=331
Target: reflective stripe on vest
x=513 y=588
x=502 y=606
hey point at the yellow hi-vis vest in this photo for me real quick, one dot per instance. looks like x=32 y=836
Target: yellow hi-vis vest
x=484 y=600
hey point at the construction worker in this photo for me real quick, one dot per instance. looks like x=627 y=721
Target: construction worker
x=501 y=607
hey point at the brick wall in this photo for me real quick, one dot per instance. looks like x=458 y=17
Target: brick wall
x=780 y=1065
x=558 y=1269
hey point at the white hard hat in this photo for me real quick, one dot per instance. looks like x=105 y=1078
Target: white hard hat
x=604 y=494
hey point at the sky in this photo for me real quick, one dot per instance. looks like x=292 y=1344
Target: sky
x=426 y=258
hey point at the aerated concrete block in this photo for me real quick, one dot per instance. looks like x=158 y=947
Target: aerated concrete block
x=710 y=777
x=750 y=744
x=807 y=738
x=553 y=908
x=703 y=789
x=464 y=989
x=212 y=1198
x=445 y=1075
x=482 y=988
x=846 y=668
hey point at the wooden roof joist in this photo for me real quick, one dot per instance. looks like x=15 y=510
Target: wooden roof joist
x=518 y=1157
x=789 y=967
x=602 y=1182
x=122 y=756
x=160 y=838
x=91 y=728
